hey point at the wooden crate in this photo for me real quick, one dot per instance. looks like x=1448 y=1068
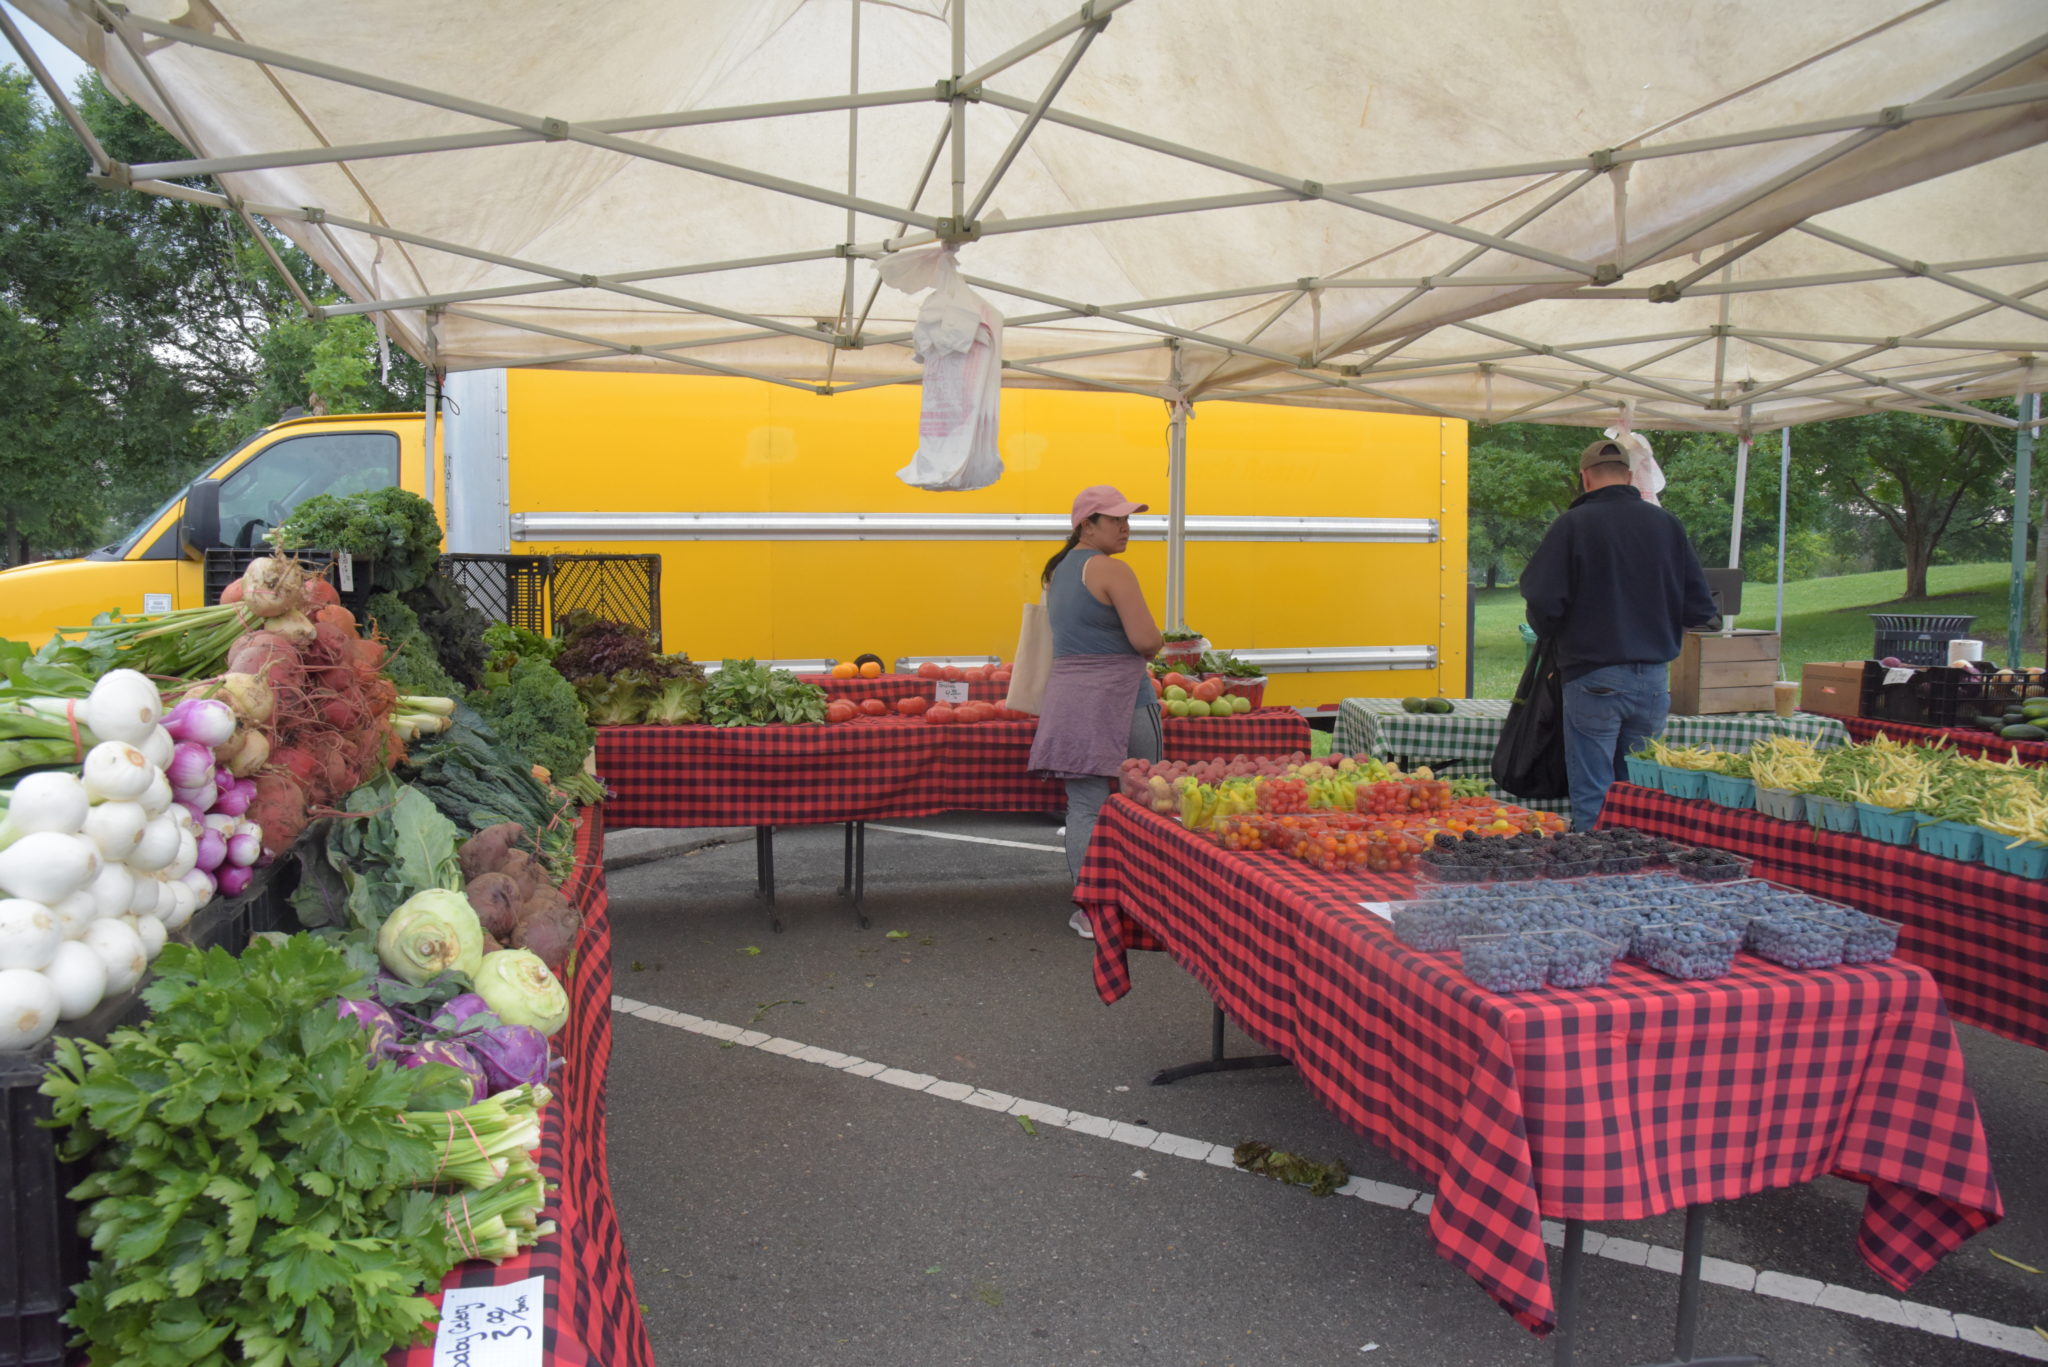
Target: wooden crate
x=1836 y=689
x=1716 y=673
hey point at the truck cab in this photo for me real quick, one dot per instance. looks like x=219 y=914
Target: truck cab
x=159 y=565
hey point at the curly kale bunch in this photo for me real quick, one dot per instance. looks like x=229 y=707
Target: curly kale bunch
x=536 y=712
x=413 y=665
x=455 y=628
x=394 y=529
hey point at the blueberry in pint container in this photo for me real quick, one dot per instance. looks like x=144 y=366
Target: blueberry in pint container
x=1505 y=963
x=1797 y=941
x=1430 y=925
x=1869 y=938
x=1579 y=958
x=1688 y=949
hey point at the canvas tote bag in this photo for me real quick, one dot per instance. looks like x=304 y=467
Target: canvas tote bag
x=1031 y=666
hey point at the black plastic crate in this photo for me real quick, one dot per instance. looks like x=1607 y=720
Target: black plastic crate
x=1930 y=698
x=224 y=565
x=42 y=1254
x=512 y=589
x=619 y=588
x=1917 y=639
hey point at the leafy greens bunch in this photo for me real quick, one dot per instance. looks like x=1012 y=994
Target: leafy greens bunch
x=392 y=527
x=261 y=1193
x=747 y=693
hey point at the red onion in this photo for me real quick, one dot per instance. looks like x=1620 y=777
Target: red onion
x=234 y=879
x=244 y=848
x=211 y=722
x=191 y=765
x=213 y=851
x=235 y=796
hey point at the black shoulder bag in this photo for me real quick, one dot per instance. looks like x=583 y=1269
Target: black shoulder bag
x=1528 y=760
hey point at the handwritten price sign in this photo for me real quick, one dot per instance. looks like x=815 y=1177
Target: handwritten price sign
x=491 y=1326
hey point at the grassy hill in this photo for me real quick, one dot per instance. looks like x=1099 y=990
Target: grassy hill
x=1825 y=619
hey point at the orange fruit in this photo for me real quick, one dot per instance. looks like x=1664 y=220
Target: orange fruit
x=843 y=671
x=871 y=670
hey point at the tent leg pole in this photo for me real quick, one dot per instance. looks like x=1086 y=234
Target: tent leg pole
x=1176 y=505
x=1784 y=478
x=2022 y=509
x=1741 y=496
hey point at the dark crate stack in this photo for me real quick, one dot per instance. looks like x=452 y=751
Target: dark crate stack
x=1937 y=695
x=42 y=1254
x=1917 y=639
x=224 y=565
x=534 y=592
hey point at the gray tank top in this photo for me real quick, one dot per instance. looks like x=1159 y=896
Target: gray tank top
x=1081 y=625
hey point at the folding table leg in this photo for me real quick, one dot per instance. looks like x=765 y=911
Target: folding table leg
x=764 y=873
x=853 y=883
x=1564 y=1337
x=1216 y=1062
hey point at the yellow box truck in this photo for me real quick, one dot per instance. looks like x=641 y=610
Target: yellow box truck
x=1326 y=546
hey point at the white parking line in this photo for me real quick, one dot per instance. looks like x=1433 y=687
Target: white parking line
x=971 y=839
x=2020 y=1341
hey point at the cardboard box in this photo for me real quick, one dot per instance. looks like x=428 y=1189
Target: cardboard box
x=1717 y=673
x=1832 y=688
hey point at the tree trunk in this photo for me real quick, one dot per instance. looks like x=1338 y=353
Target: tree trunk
x=1493 y=576
x=1917 y=557
x=16 y=553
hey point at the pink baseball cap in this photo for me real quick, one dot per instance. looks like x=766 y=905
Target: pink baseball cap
x=1105 y=500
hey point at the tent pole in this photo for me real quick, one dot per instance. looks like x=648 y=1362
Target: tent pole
x=2022 y=510
x=433 y=406
x=1176 y=505
x=1784 y=483
x=1741 y=493
x=959 y=148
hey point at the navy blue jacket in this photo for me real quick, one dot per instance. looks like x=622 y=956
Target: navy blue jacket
x=1615 y=582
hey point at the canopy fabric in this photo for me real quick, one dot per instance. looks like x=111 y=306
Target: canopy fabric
x=1728 y=214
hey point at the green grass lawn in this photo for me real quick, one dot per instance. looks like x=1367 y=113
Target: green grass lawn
x=1825 y=619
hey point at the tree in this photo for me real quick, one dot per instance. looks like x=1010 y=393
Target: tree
x=1926 y=479
x=139 y=336
x=1521 y=475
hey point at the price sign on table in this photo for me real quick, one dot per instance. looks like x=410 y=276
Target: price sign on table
x=492 y=1326
x=951 y=690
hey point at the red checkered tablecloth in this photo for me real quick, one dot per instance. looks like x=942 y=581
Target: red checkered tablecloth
x=1982 y=934
x=1965 y=739
x=593 y=1317
x=887 y=687
x=870 y=769
x=1614 y=1102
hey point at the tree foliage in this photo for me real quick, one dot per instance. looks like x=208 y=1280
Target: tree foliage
x=140 y=337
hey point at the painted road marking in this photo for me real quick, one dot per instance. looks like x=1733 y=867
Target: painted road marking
x=2020 y=1341
x=971 y=839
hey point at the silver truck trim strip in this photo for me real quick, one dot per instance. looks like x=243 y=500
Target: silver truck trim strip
x=1305 y=660
x=558 y=526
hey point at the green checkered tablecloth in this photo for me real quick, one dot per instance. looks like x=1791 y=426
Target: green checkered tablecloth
x=1460 y=744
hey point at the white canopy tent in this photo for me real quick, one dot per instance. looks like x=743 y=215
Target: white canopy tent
x=1734 y=217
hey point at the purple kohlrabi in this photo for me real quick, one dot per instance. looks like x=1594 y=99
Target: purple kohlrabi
x=510 y=1055
x=456 y=1016
x=376 y=1020
x=423 y=1052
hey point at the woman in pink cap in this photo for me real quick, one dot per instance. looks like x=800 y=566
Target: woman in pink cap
x=1099 y=707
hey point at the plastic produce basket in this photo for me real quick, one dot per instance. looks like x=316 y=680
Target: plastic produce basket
x=2027 y=859
x=1690 y=783
x=1781 y=803
x=1727 y=791
x=1645 y=773
x=1951 y=840
x=1917 y=639
x=1830 y=814
x=1882 y=824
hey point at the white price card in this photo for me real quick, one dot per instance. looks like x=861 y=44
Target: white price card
x=951 y=690
x=492 y=1326
x=1898 y=676
x=1383 y=910
x=345 y=570
x=156 y=602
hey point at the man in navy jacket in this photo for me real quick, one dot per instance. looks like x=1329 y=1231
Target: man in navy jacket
x=1615 y=583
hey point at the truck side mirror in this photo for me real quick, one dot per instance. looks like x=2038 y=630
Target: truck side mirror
x=199 y=528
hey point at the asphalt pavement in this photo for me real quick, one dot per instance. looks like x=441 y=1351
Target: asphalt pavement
x=792 y=1208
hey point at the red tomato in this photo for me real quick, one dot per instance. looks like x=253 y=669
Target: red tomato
x=875 y=707
x=952 y=674
x=927 y=670
x=912 y=706
x=979 y=674
x=840 y=710
x=941 y=714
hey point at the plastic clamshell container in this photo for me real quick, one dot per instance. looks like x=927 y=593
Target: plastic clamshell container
x=1513 y=962
x=1797 y=941
x=1722 y=871
x=1688 y=949
x=1870 y=939
x=1582 y=958
x=1431 y=925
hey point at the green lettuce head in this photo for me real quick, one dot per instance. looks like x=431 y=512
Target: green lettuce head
x=431 y=932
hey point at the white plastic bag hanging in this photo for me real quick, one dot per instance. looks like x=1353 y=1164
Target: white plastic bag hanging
x=1643 y=470
x=958 y=339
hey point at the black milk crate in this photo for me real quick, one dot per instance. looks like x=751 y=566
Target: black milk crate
x=1932 y=697
x=619 y=588
x=1917 y=639
x=42 y=1254
x=224 y=565
x=512 y=589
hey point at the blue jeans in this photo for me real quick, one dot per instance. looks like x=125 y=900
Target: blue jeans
x=1609 y=713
